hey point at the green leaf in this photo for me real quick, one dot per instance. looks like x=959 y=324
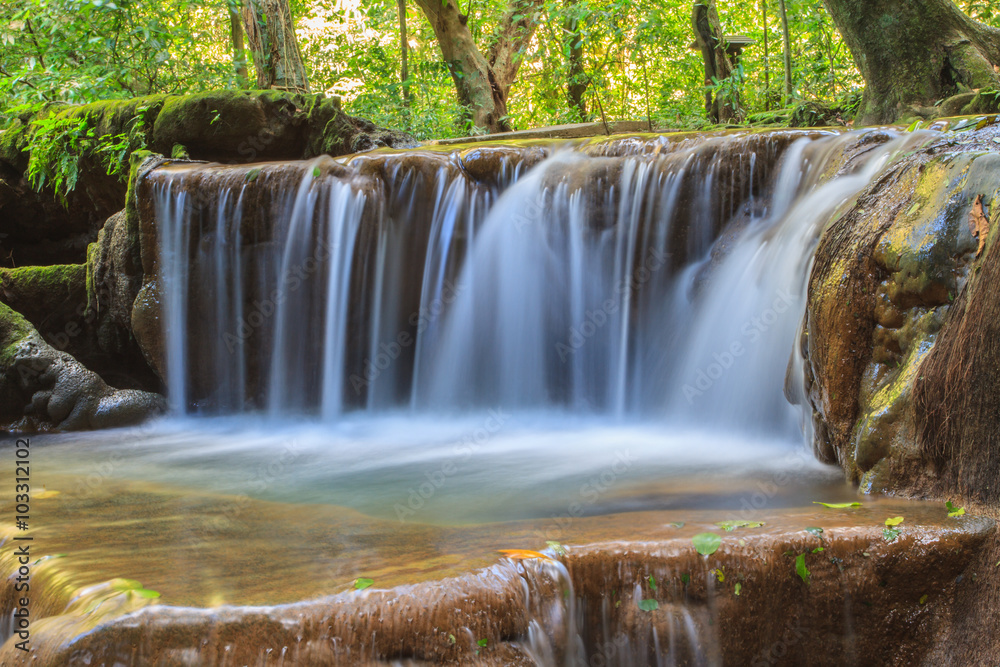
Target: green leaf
x=362 y=583
x=483 y=642
x=125 y=584
x=837 y=506
x=706 y=543
x=738 y=588
x=894 y=521
x=146 y=593
x=558 y=548
x=730 y=526
x=451 y=638
x=953 y=510
x=316 y=172
x=818 y=550
x=815 y=531
x=649 y=605
x=253 y=174
x=890 y=534
x=686 y=578
x=801 y=569
x=923 y=599
x=652 y=582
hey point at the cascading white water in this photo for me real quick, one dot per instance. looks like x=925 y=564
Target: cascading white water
x=586 y=283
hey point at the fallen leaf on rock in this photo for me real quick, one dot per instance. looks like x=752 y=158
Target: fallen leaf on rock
x=558 y=548
x=979 y=224
x=730 y=526
x=706 y=543
x=837 y=506
x=801 y=569
x=954 y=510
x=523 y=554
x=895 y=521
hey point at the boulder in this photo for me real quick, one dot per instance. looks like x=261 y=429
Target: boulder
x=898 y=343
x=50 y=226
x=43 y=388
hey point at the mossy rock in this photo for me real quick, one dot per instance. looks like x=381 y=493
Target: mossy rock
x=44 y=388
x=48 y=296
x=240 y=126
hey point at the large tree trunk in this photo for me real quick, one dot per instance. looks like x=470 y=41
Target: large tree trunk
x=236 y=33
x=576 y=80
x=767 y=59
x=723 y=106
x=914 y=52
x=404 y=52
x=483 y=81
x=786 y=43
x=271 y=37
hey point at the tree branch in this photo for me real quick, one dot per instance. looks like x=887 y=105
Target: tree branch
x=511 y=39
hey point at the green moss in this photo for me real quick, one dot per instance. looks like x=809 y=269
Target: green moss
x=13 y=328
x=250 y=123
x=43 y=294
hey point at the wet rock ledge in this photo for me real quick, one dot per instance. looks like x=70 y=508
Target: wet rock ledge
x=858 y=597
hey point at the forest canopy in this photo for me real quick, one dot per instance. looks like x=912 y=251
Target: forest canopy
x=572 y=60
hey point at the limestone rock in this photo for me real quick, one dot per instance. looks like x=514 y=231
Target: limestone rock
x=44 y=388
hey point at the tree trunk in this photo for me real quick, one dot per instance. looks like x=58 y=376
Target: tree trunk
x=271 y=37
x=576 y=80
x=239 y=54
x=404 y=48
x=483 y=81
x=722 y=102
x=787 y=51
x=912 y=53
x=767 y=60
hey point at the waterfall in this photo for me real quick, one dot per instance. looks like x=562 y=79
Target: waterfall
x=662 y=277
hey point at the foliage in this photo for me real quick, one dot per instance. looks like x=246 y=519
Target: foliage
x=954 y=510
x=801 y=569
x=636 y=59
x=706 y=543
x=87 y=50
x=58 y=141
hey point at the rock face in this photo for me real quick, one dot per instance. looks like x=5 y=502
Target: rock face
x=83 y=251
x=225 y=126
x=899 y=328
x=43 y=388
x=862 y=600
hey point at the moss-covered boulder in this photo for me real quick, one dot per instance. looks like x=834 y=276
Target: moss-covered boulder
x=55 y=224
x=43 y=388
x=886 y=277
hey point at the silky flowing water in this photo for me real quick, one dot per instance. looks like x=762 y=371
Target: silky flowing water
x=392 y=367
